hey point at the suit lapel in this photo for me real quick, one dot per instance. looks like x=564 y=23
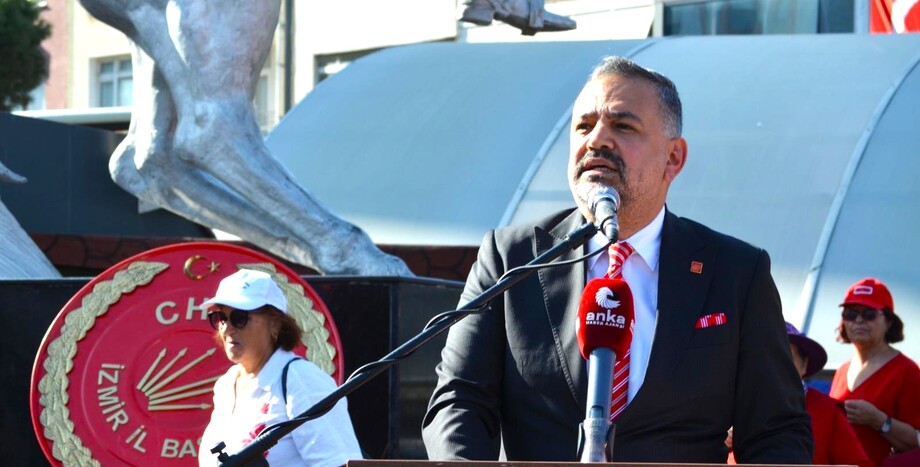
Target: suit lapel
x=681 y=296
x=681 y=293
x=562 y=291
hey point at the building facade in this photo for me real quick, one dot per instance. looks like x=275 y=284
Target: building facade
x=91 y=67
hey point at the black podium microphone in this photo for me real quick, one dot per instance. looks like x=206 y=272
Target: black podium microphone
x=605 y=203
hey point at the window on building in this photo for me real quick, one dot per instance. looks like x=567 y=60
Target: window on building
x=328 y=65
x=38 y=99
x=115 y=81
x=711 y=17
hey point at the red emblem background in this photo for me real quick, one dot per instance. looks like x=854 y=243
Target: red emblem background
x=139 y=389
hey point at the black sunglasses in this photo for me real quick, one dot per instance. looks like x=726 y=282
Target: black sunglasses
x=238 y=318
x=868 y=314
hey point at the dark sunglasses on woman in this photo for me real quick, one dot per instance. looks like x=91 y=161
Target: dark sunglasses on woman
x=238 y=318
x=868 y=314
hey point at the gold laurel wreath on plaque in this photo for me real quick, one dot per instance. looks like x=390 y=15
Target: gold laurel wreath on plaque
x=67 y=447
x=312 y=322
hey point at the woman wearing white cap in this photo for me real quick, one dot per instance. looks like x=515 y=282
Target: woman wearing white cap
x=249 y=313
x=879 y=386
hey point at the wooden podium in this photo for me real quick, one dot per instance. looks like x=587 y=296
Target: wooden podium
x=417 y=463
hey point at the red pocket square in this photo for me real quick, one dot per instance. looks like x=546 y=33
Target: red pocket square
x=714 y=319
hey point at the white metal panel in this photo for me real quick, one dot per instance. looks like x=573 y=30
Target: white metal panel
x=772 y=122
x=876 y=233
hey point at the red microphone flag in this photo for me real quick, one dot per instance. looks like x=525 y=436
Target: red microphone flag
x=605 y=317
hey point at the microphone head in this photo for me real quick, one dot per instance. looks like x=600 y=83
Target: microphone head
x=602 y=192
x=605 y=316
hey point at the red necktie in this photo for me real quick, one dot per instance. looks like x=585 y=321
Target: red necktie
x=618 y=253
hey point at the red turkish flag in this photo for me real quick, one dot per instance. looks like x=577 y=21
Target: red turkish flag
x=888 y=16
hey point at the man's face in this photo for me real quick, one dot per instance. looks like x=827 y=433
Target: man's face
x=618 y=139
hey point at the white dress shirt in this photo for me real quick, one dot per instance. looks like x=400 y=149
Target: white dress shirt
x=641 y=273
x=326 y=441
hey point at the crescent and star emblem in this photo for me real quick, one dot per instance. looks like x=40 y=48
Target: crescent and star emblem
x=212 y=268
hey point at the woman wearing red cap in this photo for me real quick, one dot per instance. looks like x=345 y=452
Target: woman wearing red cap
x=879 y=386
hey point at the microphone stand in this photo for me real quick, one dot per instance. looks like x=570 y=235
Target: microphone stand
x=595 y=441
x=252 y=454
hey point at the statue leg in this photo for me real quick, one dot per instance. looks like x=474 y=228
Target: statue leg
x=20 y=257
x=198 y=151
x=225 y=143
x=143 y=165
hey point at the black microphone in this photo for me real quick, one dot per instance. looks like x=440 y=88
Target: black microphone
x=604 y=330
x=605 y=202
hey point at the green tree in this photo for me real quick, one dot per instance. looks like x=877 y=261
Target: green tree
x=23 y=63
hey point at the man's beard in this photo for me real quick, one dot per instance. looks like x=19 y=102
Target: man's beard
x=615 y=180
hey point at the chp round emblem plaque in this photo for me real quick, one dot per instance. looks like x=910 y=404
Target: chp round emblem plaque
x=125 y=373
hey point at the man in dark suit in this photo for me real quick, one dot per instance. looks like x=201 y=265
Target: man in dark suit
x=710 y=349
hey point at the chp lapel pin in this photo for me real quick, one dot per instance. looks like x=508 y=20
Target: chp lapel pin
x=696 y=267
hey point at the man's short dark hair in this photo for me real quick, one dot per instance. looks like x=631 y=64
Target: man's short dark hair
x=668 y=98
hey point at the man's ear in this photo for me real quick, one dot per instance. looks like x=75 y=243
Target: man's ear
x=677 y=157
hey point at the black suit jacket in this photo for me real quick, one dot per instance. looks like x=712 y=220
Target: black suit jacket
x=514 y=373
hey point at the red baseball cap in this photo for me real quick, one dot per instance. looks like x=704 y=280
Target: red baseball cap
x=871 y=293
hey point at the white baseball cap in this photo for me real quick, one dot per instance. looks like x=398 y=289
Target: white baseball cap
x=248 y=289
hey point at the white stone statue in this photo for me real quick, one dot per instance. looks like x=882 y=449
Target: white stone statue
x=194 y=146
x=20 y=258
x=527 y=15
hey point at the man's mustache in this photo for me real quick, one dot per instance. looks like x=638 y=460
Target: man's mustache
x=605 y=154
